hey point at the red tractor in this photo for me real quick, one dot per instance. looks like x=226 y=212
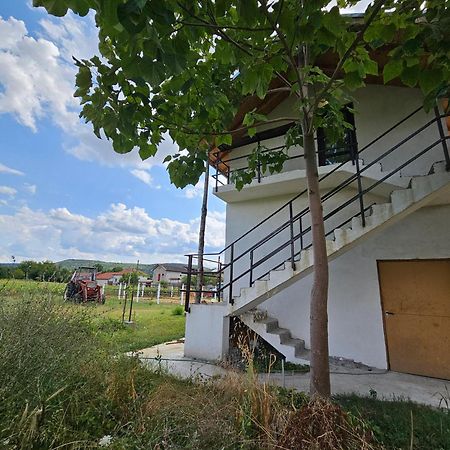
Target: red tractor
x=83 y=287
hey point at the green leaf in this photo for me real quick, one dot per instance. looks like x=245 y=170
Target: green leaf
x=410 y=75
x=83 y=81
x=353 y=80
x=131 y=17
x=430 y=79
x=226 y=139
x=56 y=7
x=392 y=70
x=371 y=67
x=80 y=7
x=122 y=144
x=147 y=150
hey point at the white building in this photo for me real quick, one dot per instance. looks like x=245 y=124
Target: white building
x=172 y=273
x=389 y=291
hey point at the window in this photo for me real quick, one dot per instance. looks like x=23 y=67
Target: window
x=344 y=149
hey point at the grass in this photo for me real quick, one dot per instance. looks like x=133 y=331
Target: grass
x=401 y=424
x=62 y=387
x=152 y=323
x=65 y=386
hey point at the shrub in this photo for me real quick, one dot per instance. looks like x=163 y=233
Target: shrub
x=178 y=311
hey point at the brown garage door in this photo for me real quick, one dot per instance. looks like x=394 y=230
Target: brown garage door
x=415 y=297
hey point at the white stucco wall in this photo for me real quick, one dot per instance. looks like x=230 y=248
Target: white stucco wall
x=355 y=318
x=380 y=107
x=207 y=331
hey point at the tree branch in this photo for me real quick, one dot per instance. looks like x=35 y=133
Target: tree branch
x=203 y=133
x=226 y=37
x=376 y=9
x=214 y=26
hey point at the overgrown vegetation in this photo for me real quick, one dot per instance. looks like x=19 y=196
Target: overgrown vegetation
x=402 y=424
x=65 y=386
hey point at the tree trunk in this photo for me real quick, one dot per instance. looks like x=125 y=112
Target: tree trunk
x=320 y=370
x=201 y=236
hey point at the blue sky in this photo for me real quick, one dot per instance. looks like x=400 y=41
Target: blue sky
x=63 y=192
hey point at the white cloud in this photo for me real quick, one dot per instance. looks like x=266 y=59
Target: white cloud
x=30 y=188
x=37 y=79
x=197 y=190
x=145 y=177
x=9 y=170
x=120 y=233
x=7 y=190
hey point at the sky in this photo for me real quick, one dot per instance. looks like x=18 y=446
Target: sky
x=63 y=192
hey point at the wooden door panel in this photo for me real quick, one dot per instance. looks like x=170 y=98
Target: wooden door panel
x=419 y=344
x=416 y=305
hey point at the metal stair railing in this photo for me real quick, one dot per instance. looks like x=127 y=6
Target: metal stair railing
x=225 y=273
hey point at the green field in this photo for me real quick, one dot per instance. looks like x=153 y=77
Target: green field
x=152 y=323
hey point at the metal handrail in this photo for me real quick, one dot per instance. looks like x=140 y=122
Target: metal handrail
x=298 y=216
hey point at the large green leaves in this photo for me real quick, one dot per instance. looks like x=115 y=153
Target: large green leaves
x=182 y=69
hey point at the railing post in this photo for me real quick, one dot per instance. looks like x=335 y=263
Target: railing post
x=360 y=195
x=187 y=306
x=259 y=170
x=251 y=268
x=217 y=176
x=300 y=221
x=230 y=290
x=291 y=228
x=443 y=138
x=219 y=271
x=259 y=162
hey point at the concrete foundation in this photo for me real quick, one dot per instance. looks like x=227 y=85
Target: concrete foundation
x=207 y=331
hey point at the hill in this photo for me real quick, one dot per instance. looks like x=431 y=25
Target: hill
x=72 y=264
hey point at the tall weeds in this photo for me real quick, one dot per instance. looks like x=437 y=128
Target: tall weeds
x=62 y=387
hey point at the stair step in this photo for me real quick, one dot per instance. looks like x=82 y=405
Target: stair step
x=282 y=332
x=439 y=167
x=421 y=187
x=340 y=237
x=276 y=277
x=383 y=209
x=296 y=343
x=401 y=199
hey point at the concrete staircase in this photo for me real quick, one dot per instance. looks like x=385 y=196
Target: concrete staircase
x=279 y=338
x=421 y=191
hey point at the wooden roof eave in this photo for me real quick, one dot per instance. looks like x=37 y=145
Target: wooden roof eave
x=327 y=62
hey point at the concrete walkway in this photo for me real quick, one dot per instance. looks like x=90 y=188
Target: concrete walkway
x=387 y=385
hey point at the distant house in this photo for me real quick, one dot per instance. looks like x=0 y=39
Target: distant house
x=172 y=273
x=113 y=278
